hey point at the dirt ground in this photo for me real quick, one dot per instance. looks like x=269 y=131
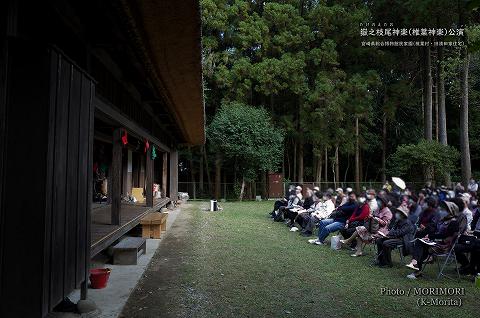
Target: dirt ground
x=154 y=295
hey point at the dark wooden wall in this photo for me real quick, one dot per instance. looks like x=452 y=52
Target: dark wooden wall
x=46 y=180
x=3 y=87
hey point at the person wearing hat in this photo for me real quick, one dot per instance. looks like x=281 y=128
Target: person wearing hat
x=401 y=233
x=295 y=201
x=377 y=223
x=439 y=242
x=341 y=198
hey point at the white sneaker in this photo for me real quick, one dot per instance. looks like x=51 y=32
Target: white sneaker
x=313 y=241
x=294 y=229
x=412 y=276
x=317 y=242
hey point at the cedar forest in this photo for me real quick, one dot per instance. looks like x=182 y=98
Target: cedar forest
x=289 y=88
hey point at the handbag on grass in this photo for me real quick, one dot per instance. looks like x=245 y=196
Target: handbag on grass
x=335 y=242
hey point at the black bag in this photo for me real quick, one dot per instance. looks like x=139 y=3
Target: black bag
x=372 y=225
x=354 y=224
x=467 y=239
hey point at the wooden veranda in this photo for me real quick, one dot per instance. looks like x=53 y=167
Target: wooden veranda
x=104 y=233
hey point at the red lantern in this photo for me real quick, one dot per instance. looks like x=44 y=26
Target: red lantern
x=124 y=137
x=147 y=146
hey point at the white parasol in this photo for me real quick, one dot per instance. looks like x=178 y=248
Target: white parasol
x=399 y=182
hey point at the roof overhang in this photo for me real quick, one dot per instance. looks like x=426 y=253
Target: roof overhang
x=168 y=36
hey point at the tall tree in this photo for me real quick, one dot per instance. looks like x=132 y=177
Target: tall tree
x=427 y=95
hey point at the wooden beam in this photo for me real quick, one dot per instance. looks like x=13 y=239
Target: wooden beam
x=149 y=178
x=174 y=175
x=109 y=110
x=115 y=188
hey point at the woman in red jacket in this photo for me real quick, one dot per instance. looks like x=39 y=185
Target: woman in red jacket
x=358 y=217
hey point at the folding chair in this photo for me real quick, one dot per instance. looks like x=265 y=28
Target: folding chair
x=400 y=248
x=400 y=251
x=450 y=258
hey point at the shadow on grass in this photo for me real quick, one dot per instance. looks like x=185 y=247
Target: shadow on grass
x=238 y=263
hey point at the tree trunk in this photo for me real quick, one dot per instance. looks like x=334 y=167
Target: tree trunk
x=346 y=170
x=442 y=112
x=207 y=170
x=287 y=155
x=326 y=167
x=218 y=176
x=300 y=160
x=264 y=185
x=337 y=167
x=318 y=174
x=357 y=157
x=384 y=148
x=294 y=161
x=427 y=95
x=200 y=172
x=225 y=184
x=464 y=141
x=242 y=189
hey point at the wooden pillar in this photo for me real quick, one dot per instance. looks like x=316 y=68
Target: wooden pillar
x=173 y=175
x=164 y=174
x=149 y=178
x=141 y=176
x=116 y=177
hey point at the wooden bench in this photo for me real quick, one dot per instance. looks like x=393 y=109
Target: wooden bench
x=154 y=224
x=128 y=250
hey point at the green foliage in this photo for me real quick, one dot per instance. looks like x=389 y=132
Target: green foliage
x=246 y=136
x=304 y=62
x=412 y=160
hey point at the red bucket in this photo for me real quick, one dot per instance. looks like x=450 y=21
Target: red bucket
x=99 y=277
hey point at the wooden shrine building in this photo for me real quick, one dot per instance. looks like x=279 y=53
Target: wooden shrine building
x=95 y=98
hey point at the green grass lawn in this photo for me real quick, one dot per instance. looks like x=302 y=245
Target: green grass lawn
x=238 y=263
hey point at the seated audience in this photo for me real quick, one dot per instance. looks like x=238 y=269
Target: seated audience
x=358 y=217
x=469 y=244
x=372 y=200
x=439 y=242
x=291 y=214
x=294 y=202
x=465 y=210
x=400 y=233
x=336 y=220
x=321 y=211
x=376 y=226
x=426 y=216
x=341 y=198
x=284 y=201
